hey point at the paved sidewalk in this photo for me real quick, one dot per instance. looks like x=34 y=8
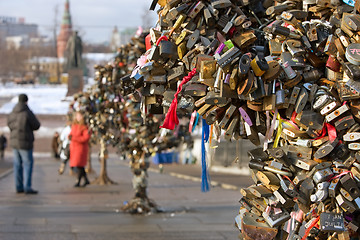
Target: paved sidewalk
x=60 y=211
x=192 y=172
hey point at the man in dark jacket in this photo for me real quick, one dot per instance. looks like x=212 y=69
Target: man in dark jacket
x=22 y=122
x=3 y=143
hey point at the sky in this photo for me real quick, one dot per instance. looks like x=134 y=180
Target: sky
x=93 y=19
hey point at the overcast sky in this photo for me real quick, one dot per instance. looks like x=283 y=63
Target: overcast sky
x=93 y=18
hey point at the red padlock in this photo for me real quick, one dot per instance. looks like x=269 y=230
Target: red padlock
x=148 y=42
x=333 y=64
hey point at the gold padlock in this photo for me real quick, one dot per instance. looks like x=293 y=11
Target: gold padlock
x=182 y=50
x=257 y=71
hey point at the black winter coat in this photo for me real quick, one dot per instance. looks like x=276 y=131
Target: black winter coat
x=3 y=142
x=22 y=122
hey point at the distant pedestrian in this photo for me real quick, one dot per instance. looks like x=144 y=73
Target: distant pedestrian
x=22 y=122
x=79 y=147
x=65 y=145
x=3 y=145
x=55 y=145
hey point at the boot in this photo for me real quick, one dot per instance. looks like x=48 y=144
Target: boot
x=85 y=177
x=62 y=168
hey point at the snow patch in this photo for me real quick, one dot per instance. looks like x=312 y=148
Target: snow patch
x=43 y=99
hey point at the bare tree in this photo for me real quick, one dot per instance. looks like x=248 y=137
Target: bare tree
x=146 y=18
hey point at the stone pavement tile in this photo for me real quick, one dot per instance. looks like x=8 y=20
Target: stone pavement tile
x=27 y=228
x=177 y=235
x=230 y=235
x=38 y=236
x=210 y=214
x=30 y=221
x=167 y=227
x=139 y=228
x=81 y=228
x=94 y=212
x=120 y=228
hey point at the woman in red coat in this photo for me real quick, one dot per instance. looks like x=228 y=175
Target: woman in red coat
x=79 y=147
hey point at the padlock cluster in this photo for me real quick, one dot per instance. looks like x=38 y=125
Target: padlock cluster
x=284 y=74
x=113 y=112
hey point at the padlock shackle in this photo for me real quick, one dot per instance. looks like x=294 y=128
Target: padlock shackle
x=160 y=39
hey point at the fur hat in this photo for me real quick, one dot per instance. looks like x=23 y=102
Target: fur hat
x=23 y=98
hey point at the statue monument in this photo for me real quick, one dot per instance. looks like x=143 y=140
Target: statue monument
x=74 y=64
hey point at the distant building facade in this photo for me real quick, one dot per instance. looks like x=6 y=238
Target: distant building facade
x=65 y=31
x=16 y=33
x=12 y=26
x=45 y=69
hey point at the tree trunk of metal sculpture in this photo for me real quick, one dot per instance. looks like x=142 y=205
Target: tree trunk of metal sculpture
x=103 y=178
x=89 y=168
x=140 y=204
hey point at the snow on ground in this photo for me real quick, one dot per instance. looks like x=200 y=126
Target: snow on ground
x=43 y=132
x=43 y=99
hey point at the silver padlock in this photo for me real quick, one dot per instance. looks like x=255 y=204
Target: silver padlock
x=280 y=95
x=290 y=73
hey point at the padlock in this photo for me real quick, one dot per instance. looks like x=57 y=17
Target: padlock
x=333 y=64
x=244 y=64
x=231 y=128
x=344 y=123
x=350 y=185
x=322 y=175
x=311 y=76
x=295 y=47
x=280 y=95
x=277 y=9
x=288 y=188
x=326 y=149
x=259 y=66
x=253 y=226
x=193 y=38
x=305 y=190
x=167 y=49
x=284 y=199
x=338 y=112
x=181 y=50
x=314 y=60
x=334 y=188
x=345 y=204
x=321 y=193
x=312 y=33
x=195 y=90
x=311 y=119
x=274 y=47
x=259 y=92
x=284 y=31
x=258 y=154
x=332 y=222
x=346 y=194
x=260 y=191
x=301 y=100
x=270 y=101
x=228 y=57
x=290 y=73
x=275 y=220
x=329 y=104
x=229 y=113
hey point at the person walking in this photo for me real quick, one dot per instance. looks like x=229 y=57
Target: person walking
x=79 y=147
x=55 y=145
x=65 y=145
x=22 y=122
x=3 y=145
